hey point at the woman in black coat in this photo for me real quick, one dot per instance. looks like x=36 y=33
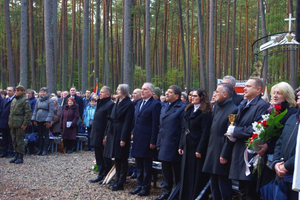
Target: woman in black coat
x=68 y=124
x=117 y=139
x=193 y=145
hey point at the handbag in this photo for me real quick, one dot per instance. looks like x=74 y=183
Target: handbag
x=31 y=137
x=275 y=190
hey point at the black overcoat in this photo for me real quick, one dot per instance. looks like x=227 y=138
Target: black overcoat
x=146 y=126
x=247 y=114
x=286 y=144
x=192 y=178
x=219 y=145
x=170 y=132
x=104 y=107
x=69 y=114
x=120 y=129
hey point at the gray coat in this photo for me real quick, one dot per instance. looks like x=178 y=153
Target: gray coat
x=247 y=114
x=44 y=109
x=55 y=128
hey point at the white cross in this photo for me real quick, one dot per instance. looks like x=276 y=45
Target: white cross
x=290 y=19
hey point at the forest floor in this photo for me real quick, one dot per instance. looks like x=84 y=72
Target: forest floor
x=59 y=176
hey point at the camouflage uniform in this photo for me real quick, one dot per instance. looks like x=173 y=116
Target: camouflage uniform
x=20 y=114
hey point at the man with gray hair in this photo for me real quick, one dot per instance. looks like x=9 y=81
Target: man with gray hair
x=237 y=99
x=104 y=107
x=146 y=123
x=218 y=158
x=136 y=96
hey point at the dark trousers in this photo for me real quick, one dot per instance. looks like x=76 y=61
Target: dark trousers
x=143 y=172
x=104 y=164
x=171 y=174
x=89 y=129
x=248 y=190
x=43 y=136
x=7 y=146
x=121 y=169
x=221 y=187
x=68 y=144
x=291 y=194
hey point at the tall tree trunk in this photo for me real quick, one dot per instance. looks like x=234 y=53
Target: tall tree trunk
x=49 y=45
x=211 y=76
x=188 y=64
x=32 y=58
x=24 y=44
x=54 y=14
x=85 y=45
x=9 y=49
x=264 y=33
x=64 y=56
x=128 y=48
x=73 y=42
x=148 y=67
x=107 y=81
x=226 y=52
x=79 y=45
x=201 y=47
x=292 y=55
x=97 y=39
x=219 y=73
x=233 y=61
x=182 y=38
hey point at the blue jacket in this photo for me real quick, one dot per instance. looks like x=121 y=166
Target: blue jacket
x=32 y=101
x=171 y=125
x=89 y=113
x=146 y=125
x=5 y=112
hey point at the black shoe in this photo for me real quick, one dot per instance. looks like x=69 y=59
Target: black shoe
x=2 y=155
x=10 y=155
x=39 y=152
x=69 y=151
x=162 y=197
x=100 y=182
x=133 y=175
x=143 y=193
x=20 y=159
x=99 y=178
x=15 y=158
x=87 y=150
x=28 y=153
x=44 y=153
x=113 y=183
x=117 y=187
x=137 y=190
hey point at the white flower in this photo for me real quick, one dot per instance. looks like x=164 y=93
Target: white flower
x=266 y=117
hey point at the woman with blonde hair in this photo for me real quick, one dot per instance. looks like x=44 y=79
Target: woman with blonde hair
x=282 y=94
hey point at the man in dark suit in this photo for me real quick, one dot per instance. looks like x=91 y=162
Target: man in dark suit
x=168 y=139
x=78 y=100
x=7 y=146
x=146 y=122
x=104 y=107
x=249 y=111
x=237 y=99
x=218 y=158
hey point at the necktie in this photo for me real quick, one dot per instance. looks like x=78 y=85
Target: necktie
x=142 y=105
x=7 y=100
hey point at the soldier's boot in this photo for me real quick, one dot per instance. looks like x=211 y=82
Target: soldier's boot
x=40 y=146
x=20 y=159
x=15 y=158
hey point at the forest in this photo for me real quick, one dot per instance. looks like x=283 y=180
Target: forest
x=190 y=43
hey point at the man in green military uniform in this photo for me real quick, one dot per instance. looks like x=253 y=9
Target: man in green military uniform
x=19 y=118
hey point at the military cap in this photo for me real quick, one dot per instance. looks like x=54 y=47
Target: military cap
x=157 y=91
x=20 y=87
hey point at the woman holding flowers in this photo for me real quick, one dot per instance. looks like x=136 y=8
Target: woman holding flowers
x=284 y=153
x=283 y=98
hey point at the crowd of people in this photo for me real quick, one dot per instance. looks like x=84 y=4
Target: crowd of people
x=189 y=133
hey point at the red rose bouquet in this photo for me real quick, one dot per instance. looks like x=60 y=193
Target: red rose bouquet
x=264 y=130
